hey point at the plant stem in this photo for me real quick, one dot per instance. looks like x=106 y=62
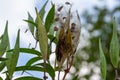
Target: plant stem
x=116 y=74
x=59 y=75
x=68 y=68
x=66 y=71
x=45 y=77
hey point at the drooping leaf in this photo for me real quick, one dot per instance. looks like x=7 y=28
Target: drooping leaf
x=42 y=11
x=114 y=47
x=31 y=26
x=42 y=36
x=4 y=41
x=13 y=57
x=33 y=60
x=50 y=18
x=49 y=69
x=102 y=61
x=28 y=51
x=28 y=78
x=31 y=22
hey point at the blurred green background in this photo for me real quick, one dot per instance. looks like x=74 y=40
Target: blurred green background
x=98 y=23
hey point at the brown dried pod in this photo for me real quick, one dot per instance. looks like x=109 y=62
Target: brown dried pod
x=57 y=19
x=64 y=46
x=55 y=28
x=60 y=8
x=68 y=3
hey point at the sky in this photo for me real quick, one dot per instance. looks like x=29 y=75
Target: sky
x=16 y=10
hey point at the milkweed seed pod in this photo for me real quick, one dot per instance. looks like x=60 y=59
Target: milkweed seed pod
x=67 y=22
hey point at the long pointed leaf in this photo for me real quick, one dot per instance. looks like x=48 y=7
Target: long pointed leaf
x=114 y=47
x=102 y=61
x=28 y=78
x=42 y=11
x=31 y=26
x=4 y=41
x=49 y=69
x=31 y=22
x=33 y=60
x=42 y=37
x=50 y=18
x=31 y=68
x=13 y=58
x=28 y=51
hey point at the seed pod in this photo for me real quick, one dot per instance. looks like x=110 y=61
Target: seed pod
x=64 y=46
x=69 y=32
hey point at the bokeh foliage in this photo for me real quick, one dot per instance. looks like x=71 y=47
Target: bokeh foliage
x=101 y=21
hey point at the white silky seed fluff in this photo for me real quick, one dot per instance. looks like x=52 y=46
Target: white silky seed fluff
x=62 y=12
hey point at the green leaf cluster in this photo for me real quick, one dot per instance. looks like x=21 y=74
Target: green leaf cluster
x=40 y=32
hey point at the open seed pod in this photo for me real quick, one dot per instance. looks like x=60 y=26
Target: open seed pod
x=69 y=28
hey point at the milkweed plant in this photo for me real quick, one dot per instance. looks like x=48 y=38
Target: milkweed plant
x=61 y=29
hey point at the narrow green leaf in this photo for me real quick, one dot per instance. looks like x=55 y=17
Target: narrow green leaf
x=31 y=26
x=31 y=22
x=2 y=65
x=28 y=78
x=49 y=69
x=102 y=61
x=42 y=11
x=31 y=68
x=33 y=60
x=28 y=51
x=4 y=41
x=50 y=18
x=42 y=37
x=8 y=56
x=13 y=57
x=114 y=47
